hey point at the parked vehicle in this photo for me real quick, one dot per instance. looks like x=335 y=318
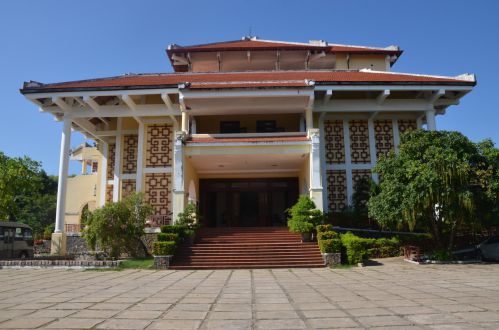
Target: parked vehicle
x=489 y=249
x=16 y=240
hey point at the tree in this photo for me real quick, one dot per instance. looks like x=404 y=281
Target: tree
x=433 y=182
x=117 y=228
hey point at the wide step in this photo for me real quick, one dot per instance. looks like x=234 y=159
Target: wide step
x=247 y=248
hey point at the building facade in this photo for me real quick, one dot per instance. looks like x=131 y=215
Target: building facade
x=243 y=127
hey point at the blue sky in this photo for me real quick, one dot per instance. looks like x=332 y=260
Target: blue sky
x=51 y=41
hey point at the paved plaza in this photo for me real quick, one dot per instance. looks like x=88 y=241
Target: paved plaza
x=395 y=295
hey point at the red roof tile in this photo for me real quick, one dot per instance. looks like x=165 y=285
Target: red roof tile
x=244 y=79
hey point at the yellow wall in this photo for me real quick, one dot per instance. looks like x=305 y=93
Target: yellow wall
x=81 y=189
x=304 y=176
x=211 y=124
x=190 y=175
x=357 y=62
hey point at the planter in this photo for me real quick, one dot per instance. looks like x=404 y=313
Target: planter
x=306 y=237
x=162 y=262
x=331 y=259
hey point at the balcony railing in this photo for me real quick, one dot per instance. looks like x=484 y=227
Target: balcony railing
x=159 y=220
x=73 y=228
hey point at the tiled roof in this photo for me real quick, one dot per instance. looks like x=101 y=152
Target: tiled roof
x=248 y=139
x=256 y=44
x=244 y=79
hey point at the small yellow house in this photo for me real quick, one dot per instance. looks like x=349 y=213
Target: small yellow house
x=240 y=127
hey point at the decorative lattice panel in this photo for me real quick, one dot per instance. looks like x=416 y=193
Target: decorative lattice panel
x=158 y=192
x=109 y=193
x=130 y=143
x=127 y=187
x=358 y=175
x=111 y=153
x=159 y=146
x=335 y=143
x=359 y=142
x=337 y=190
x=383 y=135
x=407 y=125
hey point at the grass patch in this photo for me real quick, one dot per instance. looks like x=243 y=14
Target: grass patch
x=139 y=263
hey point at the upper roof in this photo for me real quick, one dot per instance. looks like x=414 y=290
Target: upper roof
x=254 y=79
x=253 y=43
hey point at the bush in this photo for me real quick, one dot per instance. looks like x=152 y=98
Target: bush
x=303 y=216
x=330 y=245
x=323 y=228
x=327 y=235
x=164 y=248
x=163 y=237
x=189 y=217
x=173 y=229
x=356 y=248
x=118 y=227
x=384 y=248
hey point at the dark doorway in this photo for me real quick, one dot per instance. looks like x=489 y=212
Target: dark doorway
x=246 y=202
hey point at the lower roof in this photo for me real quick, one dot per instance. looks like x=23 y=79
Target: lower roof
x=253 y=79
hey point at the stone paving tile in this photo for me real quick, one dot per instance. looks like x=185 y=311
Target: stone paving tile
x=124 y=324
x=261 y=315
x=369 y=311
x=431 y=319
x=144 y=315
x=280 y=324
x=185 y=315
x=70 y=323
x=382 y=321
x=230 y=315
x=175 y=324
x=70 y=305
x=273 y=307
x=331 y=323
x=58 y=313
x=326 y=313
x=89 y=313
x=232 y=307
x=25 y=323
x=228 y=324
x=150 y=307
x=479 y=316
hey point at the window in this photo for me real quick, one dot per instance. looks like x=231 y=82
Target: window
x=266 y=126
x=227 y=127
x=28 y=235
x=1 y=233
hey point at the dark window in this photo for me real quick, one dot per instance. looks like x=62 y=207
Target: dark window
x=493 y=240
x=230 y=127
x=266 y=126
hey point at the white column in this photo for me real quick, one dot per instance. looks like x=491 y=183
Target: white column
x=117 y=162
x=178 y=174
x=185 y=122
x=140 y=158
x=396 y=134
x=348 y=160
x=430 y=120
x=315 y=168
x=103 y=179
x=309 y=119
x=325 y=203
x=372 y=146
x=63 y=175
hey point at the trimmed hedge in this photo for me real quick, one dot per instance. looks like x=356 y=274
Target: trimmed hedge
x=327 y=235
x=355 y=247
x=164 y=248
x=164 y=237
x=330 y=245
x=324 y=228
x=173 y=229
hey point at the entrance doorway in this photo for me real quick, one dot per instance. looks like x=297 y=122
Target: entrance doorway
x=246 y=202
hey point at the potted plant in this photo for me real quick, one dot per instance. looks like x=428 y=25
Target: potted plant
x=189 y=236
x=163 y=252
x=303 y=217
x=330 y=246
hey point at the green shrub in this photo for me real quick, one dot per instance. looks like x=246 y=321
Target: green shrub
x=327 y=235
x=330 y=245
x=189 y=217
x=356 y=248
x=384 y=248
x=303 y=216
x=173 y=229
x=164 y=248
x=323 y=228
x=163 y=237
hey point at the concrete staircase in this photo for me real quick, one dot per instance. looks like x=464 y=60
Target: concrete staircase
x=247 y=247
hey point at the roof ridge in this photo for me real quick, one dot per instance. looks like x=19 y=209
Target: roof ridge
x=391 y=47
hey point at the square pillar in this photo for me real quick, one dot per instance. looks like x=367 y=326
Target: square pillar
x=315 y=189
x=430 y=120
x=117 y=161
